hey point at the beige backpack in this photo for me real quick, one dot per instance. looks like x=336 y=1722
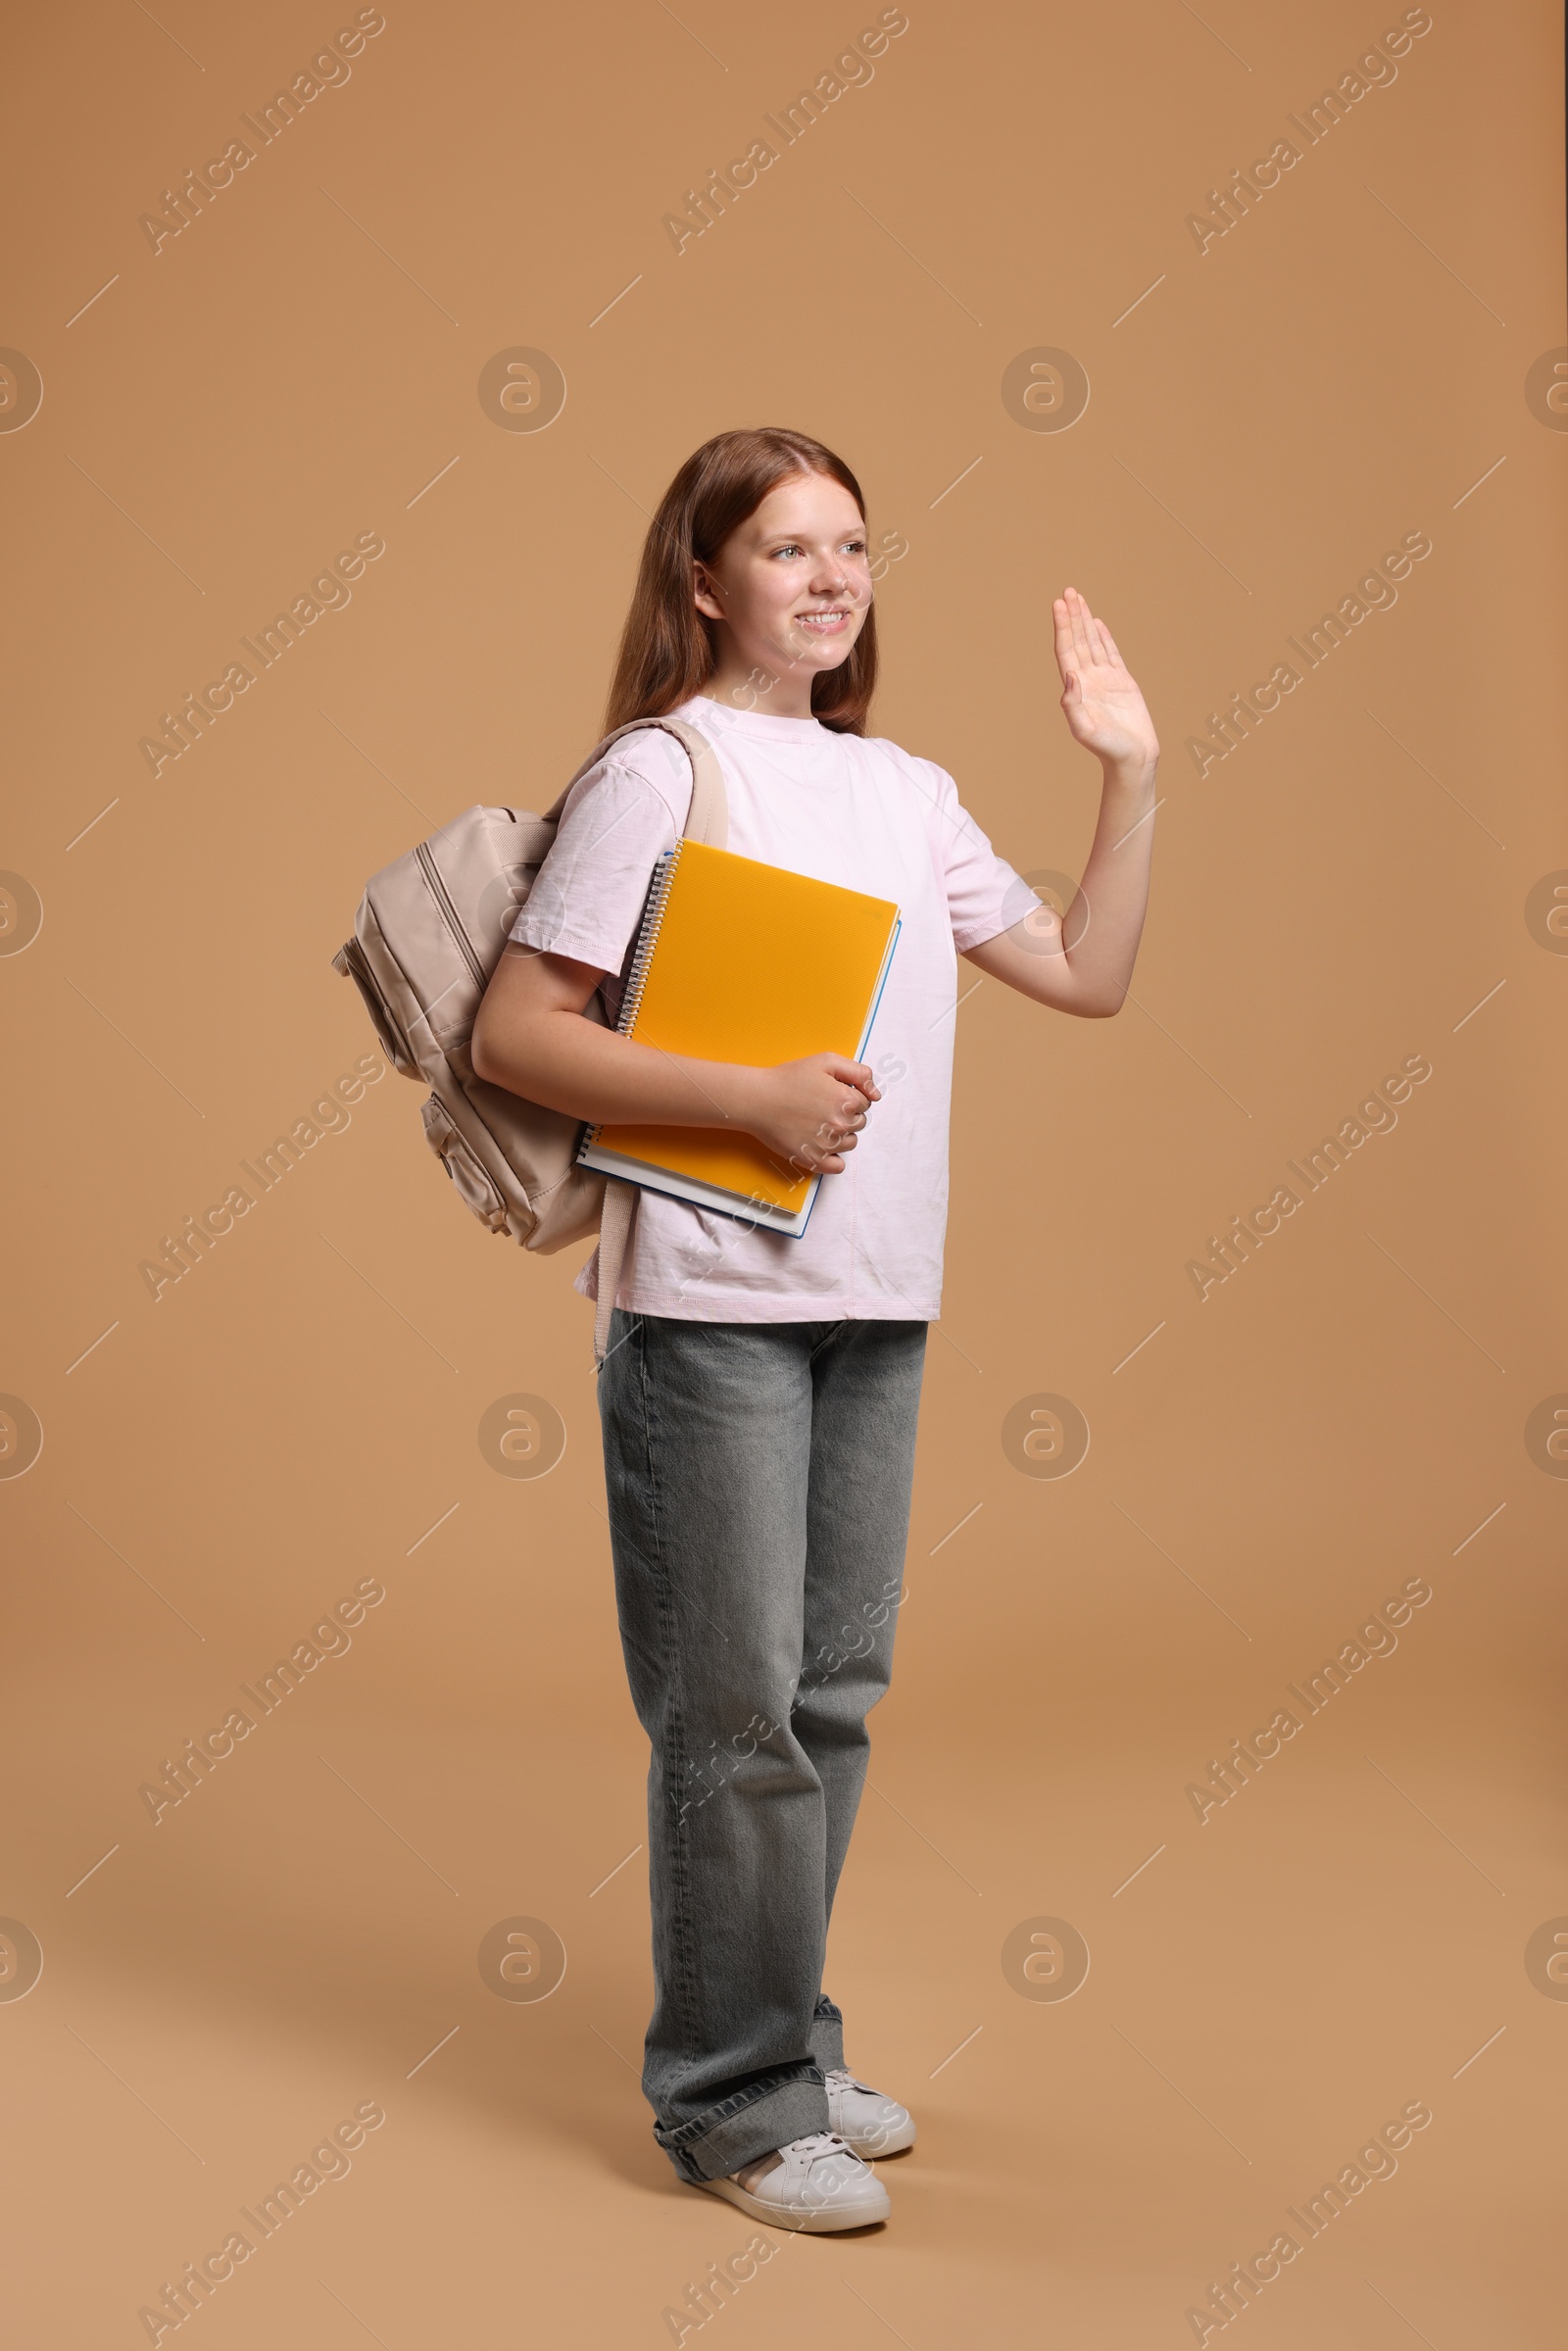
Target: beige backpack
x=427 y=936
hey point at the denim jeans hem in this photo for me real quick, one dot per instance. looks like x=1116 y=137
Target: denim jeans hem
x=749 y=2127
x=827 y=2035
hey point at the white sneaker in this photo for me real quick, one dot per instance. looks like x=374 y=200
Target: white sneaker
x=866 y=2119
x=816 y=2184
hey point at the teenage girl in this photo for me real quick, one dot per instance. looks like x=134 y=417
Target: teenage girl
x=759 y=1394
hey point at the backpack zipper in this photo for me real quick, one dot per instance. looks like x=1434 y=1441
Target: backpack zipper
x=438 y=891
x=354 y=966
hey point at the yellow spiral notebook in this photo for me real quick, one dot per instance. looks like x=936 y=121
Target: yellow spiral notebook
x=741 y=961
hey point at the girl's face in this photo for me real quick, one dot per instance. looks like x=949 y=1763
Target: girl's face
x=791 y=586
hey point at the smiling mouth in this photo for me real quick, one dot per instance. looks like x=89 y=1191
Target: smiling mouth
x=823 y=624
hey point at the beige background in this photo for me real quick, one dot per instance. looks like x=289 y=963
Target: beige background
x=301 y=364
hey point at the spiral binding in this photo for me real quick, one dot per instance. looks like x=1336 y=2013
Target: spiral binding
x=636 y=978
x=647 y=939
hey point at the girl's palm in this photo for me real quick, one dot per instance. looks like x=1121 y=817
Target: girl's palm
x=1101 y=700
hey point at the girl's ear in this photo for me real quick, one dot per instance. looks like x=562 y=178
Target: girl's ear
x=706 y=593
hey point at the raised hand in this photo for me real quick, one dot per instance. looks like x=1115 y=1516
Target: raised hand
x=1100 y=701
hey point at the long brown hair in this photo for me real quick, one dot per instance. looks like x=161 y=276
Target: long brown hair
x=668 y=647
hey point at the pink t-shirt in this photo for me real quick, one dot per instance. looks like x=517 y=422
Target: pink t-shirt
x=862 y=813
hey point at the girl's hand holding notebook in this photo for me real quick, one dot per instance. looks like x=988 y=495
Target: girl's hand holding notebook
x=807 y=1113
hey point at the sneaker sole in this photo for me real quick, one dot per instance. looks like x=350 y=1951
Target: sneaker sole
x=815 y=2219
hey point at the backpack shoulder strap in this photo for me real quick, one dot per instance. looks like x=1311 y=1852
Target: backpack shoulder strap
x=615 y=1233
x=708 y=819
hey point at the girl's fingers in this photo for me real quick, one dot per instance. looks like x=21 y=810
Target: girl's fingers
x=1081 y=652
x=1077 y=650
x=1111 y=653
x=1099 y=647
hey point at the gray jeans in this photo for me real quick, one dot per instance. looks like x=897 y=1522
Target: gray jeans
x=759 y=1486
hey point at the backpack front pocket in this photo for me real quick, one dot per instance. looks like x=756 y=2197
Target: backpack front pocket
x=463 y=1166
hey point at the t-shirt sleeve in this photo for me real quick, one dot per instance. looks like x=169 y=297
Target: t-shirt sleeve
x=984 y=895
x=588 y=896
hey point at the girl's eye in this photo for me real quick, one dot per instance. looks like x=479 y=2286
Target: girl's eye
x=846 y=547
